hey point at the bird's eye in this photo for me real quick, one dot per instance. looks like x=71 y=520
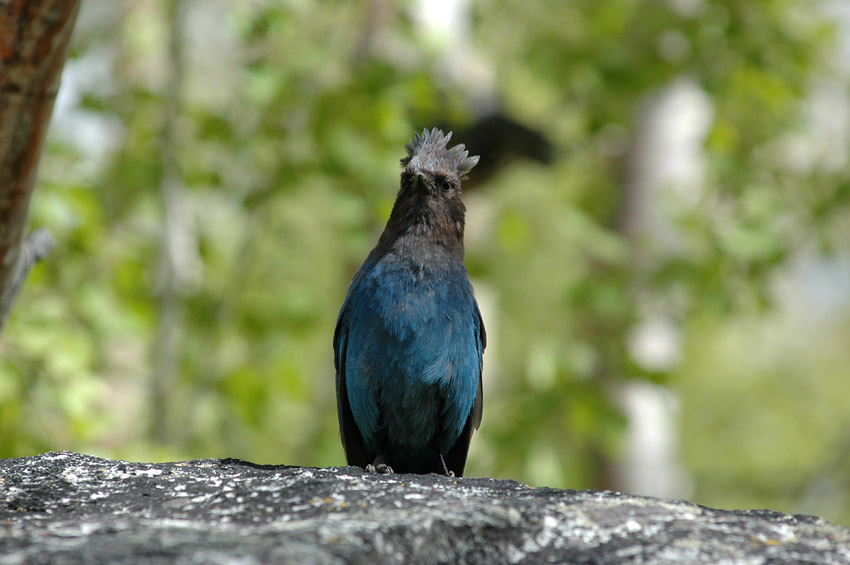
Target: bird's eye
x=445 y=185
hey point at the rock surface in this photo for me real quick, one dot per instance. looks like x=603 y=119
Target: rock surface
x=72 y=508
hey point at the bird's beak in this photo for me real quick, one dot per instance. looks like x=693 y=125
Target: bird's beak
x=420 y=181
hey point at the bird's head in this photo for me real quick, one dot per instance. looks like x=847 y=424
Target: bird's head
x=433 y=168
x=428 y=205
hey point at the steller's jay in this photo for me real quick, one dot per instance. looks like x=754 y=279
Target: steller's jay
x=409 y=339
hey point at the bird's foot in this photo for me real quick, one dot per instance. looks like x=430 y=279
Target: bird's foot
x=446 y=469
x=381 y=468
x=378 y=466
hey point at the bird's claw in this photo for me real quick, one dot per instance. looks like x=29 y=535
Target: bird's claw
x=378 y=466
x=446 y=471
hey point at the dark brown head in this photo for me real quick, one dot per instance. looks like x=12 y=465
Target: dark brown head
x=428 y=204
x=435 y=167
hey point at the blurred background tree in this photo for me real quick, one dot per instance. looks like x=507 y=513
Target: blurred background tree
x=658 y=234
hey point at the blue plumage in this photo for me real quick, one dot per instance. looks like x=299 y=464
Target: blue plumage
x=409 y=340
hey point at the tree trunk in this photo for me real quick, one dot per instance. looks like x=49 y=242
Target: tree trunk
x=34 y=39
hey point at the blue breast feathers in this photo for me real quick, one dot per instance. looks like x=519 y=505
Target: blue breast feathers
x=412 y=355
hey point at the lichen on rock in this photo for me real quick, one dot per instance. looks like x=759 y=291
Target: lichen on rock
x=72 y=508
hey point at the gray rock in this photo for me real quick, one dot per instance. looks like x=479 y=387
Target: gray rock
x=72 y=508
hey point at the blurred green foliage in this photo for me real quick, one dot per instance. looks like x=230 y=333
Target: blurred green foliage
x=292 y=118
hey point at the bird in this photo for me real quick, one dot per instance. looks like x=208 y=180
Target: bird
x=409 y=340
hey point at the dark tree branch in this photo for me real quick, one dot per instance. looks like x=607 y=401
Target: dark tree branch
x=34 y=39
x=33 y=249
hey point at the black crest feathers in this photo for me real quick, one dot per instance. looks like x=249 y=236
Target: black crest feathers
x=431 y=147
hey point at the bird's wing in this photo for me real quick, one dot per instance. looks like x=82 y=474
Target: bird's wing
x=456 y=457
x=352 y=441
x=478 y=407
